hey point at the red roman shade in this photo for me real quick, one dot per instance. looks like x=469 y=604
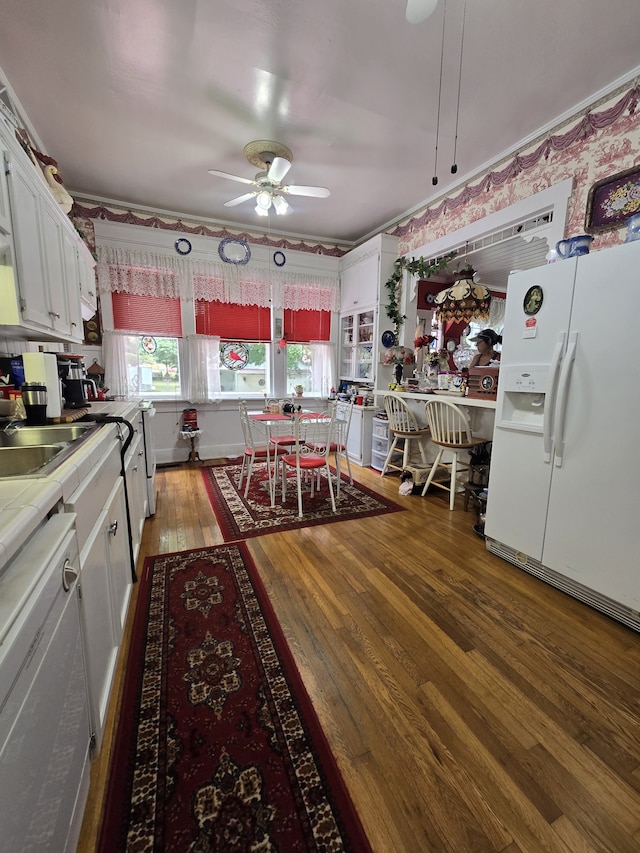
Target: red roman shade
x=158 y=315
x=304 y=326
x=233 y=322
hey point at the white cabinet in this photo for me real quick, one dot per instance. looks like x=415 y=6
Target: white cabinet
x=105 y=588
x=359 y=283
x=136 y=474
x=363 y=273
x=359 y=439
x=43 y=299
x=87 y=281
x=5 y=210
x=44 y=719
x=105 y=571
x=357 y=346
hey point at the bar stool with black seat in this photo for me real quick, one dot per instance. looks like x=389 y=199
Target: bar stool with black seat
x=450 y=431
x=404 y=427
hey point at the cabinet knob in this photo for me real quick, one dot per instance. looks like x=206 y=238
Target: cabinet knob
x=135 y=467
x=113 y=528
x=54 y=314
x=141 y=453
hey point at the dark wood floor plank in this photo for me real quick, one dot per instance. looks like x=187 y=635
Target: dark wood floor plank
x=470 y=706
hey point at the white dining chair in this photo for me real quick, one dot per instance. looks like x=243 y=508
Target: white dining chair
x=254 y=451
x=339 y=444
x=450 y=431
x=311 y=454
x=406 y=431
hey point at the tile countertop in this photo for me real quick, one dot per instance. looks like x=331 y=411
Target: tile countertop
x=476 y=403
x=25 y=502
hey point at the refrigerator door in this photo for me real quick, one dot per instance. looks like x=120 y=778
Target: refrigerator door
x=592 y=525
x=521 y=470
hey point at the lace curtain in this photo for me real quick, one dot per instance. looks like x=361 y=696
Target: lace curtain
x=114 y=346
x=156 y=274
x=323 y=367
x=203 y=372
x=496 y=314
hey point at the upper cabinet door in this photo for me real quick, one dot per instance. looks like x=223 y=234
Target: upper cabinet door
x=30 y=260
x=56 y=271
x=5 y=210
x=359 y=284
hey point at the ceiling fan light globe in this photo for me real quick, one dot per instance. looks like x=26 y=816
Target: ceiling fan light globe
x=419 y=10
x=261 y=211
x=281 y=206
x=263 y=199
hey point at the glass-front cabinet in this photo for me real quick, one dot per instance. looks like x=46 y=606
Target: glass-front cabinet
x=357 y=346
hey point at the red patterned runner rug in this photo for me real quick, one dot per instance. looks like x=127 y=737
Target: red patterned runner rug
x=242 y=518
x=218 y=748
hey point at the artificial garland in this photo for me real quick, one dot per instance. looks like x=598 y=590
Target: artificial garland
x=415 y=266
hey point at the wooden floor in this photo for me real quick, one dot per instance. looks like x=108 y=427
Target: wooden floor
x=470 y=706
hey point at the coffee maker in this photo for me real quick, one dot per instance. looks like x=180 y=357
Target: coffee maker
x=72 y=372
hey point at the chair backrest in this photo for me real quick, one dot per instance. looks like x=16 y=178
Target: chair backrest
x=342 y=425
x=399 y=415
x=245 y=423
x=448 y=423
x=314 y=435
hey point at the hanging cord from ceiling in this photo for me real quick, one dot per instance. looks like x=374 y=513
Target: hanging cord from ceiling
x=434 y=179
x=454 y=166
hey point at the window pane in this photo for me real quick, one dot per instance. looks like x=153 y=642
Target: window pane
x=153 y=366
x=250 y=379
x=299 y=368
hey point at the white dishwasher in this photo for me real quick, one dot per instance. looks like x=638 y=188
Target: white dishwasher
x=44 y=717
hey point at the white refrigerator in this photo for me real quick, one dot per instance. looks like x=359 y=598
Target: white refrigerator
x=564 y=486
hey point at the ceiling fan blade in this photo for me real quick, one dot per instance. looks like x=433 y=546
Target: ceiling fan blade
x=316 y=192
x=278 y=169
x=239 y=199
x=237 y=178
x=419 y=10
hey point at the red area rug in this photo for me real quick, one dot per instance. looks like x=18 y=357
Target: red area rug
x=242 y=518
x=218 y=748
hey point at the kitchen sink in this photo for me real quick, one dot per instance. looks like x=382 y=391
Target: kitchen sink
x=36 y=451
x=31 y=436
x=22 y=461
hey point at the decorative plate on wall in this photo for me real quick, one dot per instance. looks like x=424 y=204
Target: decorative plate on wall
x=234 y=251
x=279 y=259
x=183 y=246
x=388 y=339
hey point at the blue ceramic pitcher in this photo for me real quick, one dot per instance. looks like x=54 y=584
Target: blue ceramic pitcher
x=633 y=228
x=574 y=246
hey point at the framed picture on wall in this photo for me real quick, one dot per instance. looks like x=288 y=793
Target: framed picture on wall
x=613 y=200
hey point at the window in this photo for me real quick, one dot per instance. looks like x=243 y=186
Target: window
x=145 y=346
x=310 y=361
x=250 y=379
x=245 y=344
x=153 y=366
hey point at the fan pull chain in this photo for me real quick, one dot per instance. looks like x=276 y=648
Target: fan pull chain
x=434 y=179
x=454 y=167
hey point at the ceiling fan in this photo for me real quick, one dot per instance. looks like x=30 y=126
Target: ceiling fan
x=419 y=10
x=274 y=161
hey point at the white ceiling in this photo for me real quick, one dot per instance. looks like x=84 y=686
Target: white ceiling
x=137 y=99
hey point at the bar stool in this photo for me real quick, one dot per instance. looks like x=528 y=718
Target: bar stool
x=404 y=426
x=450 y=430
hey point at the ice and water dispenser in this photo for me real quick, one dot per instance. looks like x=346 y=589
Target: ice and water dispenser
x=524 y=388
